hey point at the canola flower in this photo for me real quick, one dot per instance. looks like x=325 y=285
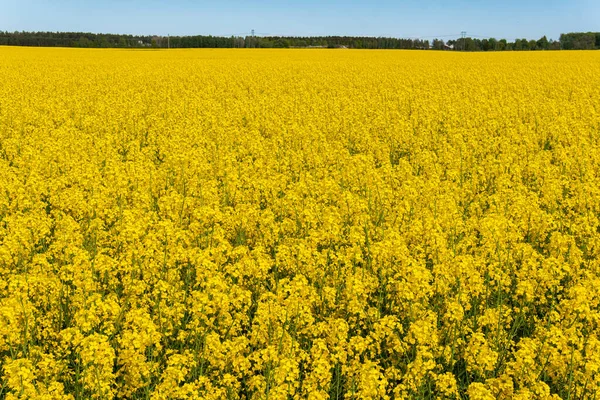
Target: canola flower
x=261 y=224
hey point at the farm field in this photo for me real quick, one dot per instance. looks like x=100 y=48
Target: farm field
x=289 y=224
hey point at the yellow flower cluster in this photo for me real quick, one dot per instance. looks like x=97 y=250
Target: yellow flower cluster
x=289 y=224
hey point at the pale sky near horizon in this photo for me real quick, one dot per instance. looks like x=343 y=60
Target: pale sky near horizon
x=508 y=19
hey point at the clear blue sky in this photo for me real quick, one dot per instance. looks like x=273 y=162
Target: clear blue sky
x=412 y=18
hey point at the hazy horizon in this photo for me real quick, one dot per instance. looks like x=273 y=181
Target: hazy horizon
x=508 y=19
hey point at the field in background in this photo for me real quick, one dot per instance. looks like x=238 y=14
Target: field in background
x=256 y=224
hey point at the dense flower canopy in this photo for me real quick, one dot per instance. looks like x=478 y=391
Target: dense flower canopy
x=323 y=224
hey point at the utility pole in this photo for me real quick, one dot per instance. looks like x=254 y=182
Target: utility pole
x=252 y=32
x=463 y=34
x=168 y=41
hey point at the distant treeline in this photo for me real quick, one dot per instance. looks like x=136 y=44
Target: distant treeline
x=567 y=41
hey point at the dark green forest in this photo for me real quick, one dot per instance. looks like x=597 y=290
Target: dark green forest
x=567 y=41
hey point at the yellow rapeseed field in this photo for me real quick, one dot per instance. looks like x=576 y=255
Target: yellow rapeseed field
x=290 y=224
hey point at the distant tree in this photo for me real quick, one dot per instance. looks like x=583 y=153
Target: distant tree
x=281 y=43
x=573 y=40
x=517 y=45
x=265 y=43
x=104 y=43
x=532 y=45
x=543 y=43
x=521 y=44
x=485 y=45
x=566 y=41
x=578 y=41
x=238 y=42
x=585 y=41
x=301 y=43
x=83 y=42
x=251 y=42
x=438 y=44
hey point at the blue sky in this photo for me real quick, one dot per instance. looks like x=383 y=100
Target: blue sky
x=502 y=19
